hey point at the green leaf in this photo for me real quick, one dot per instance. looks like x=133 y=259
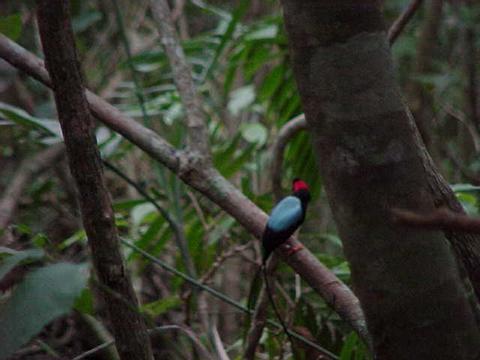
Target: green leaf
x=348 y=347
x=127 y=204
x=42 y=296
x=271 y=83
x=161 y=306
x=10 y=261
x=254 y=133
x=268 y=32
x=84 y=302
x=464 y=188
x=21 y=117
x=241 y=99
x=140 y=212
x=11 y=26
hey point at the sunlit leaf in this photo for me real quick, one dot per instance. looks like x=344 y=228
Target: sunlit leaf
x=21 y=117
x=241 y=99
x=254 y=133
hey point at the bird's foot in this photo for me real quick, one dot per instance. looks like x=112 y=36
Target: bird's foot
x=294 y=248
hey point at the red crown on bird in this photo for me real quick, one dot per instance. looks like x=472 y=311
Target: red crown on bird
x=299 y=184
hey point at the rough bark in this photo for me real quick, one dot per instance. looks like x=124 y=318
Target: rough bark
x=85 y=164
x=209 y=182
x=371 y=160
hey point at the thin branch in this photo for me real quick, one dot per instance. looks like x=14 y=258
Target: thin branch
x=182 y=75
x=144 y=138
x=209 y=182
x=443 y=219
x=152 y=332
x=259 y=318
x=287 y=132
x=216 y=265
x=466 y=173
x=221 y=352
x=469 y=126
x=85 y=164
x=26 y=171
x=219 y=295
x=126 y=45
x=400 y=23
x=179 y=235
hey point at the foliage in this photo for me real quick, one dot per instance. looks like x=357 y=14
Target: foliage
x=240 y=65
x=44 y=294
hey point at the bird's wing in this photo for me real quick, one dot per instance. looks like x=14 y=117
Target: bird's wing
x=285 y=214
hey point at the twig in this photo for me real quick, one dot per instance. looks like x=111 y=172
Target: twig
x=439 y=219
x=94 y=350
x=469 y=126
x=144 y=138
x=177 y=231
x=259 y=318
x=466 y=173
x=152 y=332
x=209 y=182
x=85 y=164
x=221 y=259
x=182 y=75
x=399 y=24
x=221 y=353
x=287 y=132
x=218 y=294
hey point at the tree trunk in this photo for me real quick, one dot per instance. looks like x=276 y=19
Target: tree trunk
x=372 y=160
x=85 y=164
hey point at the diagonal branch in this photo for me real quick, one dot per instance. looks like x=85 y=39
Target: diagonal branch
x=85 y=164
x=182 y=75
x=400 y=23
x=209 y=182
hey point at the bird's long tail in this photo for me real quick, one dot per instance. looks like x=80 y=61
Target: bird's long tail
x=274 y=307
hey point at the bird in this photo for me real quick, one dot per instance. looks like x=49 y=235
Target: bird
x=285 y=218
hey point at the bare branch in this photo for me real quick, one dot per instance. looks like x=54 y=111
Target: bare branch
x=221 y=352
x=152 y=332
x=144 y=138
x=209 y=182
x=287 y=132
x=182 y=74
x=399 y=24
x=443 y=219
x=85 y=164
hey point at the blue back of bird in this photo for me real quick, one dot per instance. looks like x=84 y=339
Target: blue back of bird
x=285 y=214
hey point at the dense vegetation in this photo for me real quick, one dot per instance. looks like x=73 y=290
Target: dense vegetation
x=174 y=238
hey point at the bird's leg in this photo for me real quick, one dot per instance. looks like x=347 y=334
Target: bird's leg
x=292 y=249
